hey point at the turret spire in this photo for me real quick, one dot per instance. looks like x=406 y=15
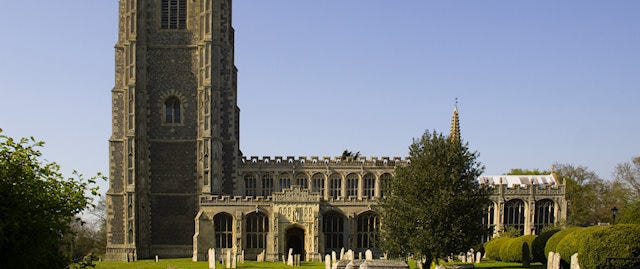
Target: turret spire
x=454 y=133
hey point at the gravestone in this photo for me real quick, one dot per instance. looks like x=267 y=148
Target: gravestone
x=234 y=260
x=156 y=258
x=290 y=257
x=327 y=261
x=241 y=257
x=359 y=255
x=556 y=261
x=228 y=260
x=261 y=256
x=478 y=257
x=574 y=261
x=350 y=255
x=342 y=253
x=212 y=258
x=550 y=260
x=368 y=255
x=333 y=257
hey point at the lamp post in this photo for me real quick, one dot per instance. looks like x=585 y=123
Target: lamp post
x=614 y=211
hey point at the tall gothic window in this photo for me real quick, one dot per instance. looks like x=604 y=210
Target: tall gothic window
x=267 y=184
x=318 y=183
x=284 y=181
x=250 y=185
x=333 y=230
x=367 y=233
x=514 y=215
x=174 y=14
x=488 y=220
x=545 y=214
x=257 y=225
x=369 y=185
x=223 y=227
x=172 y=110
x=335 y=186
x=302 y=180
x=352 y=185
x=385 y=184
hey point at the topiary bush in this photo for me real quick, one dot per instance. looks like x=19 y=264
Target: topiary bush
x=492 y=248
x=619 y=241
x=537 y=247
x=512 y=251
x=571 y=243
x=555 y=239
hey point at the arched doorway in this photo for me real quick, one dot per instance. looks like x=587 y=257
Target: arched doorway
x=295 y=240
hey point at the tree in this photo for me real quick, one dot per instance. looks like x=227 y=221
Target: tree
x=37 y=207
x=520 y=171
x=628 y=174
x=348 y=154
x=435 y=205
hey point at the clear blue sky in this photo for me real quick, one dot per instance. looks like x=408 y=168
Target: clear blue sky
x=538 y=81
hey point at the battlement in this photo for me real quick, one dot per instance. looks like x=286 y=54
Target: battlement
x=324 y=161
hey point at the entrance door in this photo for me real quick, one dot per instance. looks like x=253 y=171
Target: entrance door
x=295 y=241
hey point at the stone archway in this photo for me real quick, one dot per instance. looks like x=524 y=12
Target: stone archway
x=294 y=237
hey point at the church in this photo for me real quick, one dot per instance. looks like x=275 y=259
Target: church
x=180 y=185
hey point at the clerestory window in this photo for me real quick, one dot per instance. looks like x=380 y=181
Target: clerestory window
x=173 y=14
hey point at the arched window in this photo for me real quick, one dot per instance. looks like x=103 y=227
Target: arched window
x=488 y=220
x=302 y=180
x=369 y=184
x=250 y=185
x=335 y=186
x=223 y=227
x=333 y=230
x=318 y=183
x=514 y=215
x=172 y=110
x=257 y=226
x=367 y=233
x=173 y=14
x=352 y=185
x=385 y=184
x=267 y=184
x=545 y=214
x=284 y=181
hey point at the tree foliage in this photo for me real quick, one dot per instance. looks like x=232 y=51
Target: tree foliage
x=435 y=205
x=37 y=207
x=520 y=171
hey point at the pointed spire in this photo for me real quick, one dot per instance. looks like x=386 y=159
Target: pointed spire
x=454 y=134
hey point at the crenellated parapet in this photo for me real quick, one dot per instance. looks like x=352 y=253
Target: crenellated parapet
x=323 y=161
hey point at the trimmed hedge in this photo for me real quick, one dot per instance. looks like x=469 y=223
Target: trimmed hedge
x=619 y=241
x=537 y=247
x=555 y=239
x=492 y=248
x=512 y=250
x=571 y=243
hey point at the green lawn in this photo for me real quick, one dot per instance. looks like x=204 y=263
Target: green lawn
x=188 y=264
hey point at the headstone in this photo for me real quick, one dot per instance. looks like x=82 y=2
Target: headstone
x=550 y=260
x=478 y=257
x=333 y=257
x=359 y=255
x=284 y=259
x=574 y=261
x=296 y=260
x=241 y=259
x=342 y=254
x=156 y=258
x=212 y=258
x=350 y=255
x=234 y=260
x=556 y=261
x=261 y=256
x=228 y=260
x=368 y=255
x=290 y=257
x=327 y=261
x=384 y=257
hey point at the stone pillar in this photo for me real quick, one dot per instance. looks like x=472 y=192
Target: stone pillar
x=343 y=191
x=377 y=191
x=326 y=187
x=360 y=186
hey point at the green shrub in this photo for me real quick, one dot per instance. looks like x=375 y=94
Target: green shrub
x=571 y=243
x=492 y=248
x=555 y=239
x=619 y=241
x=512 y=251
x=537 y=247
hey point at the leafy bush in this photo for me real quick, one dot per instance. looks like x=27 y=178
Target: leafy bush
x=537 y=247
x=620 y=241
x=512 y=250
x=492 y=248
x=571 y=243
x=555 y=239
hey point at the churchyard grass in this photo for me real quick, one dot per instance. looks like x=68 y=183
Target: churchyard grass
x=188 y=264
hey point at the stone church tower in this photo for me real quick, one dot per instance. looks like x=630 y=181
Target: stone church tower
x=175 y=123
